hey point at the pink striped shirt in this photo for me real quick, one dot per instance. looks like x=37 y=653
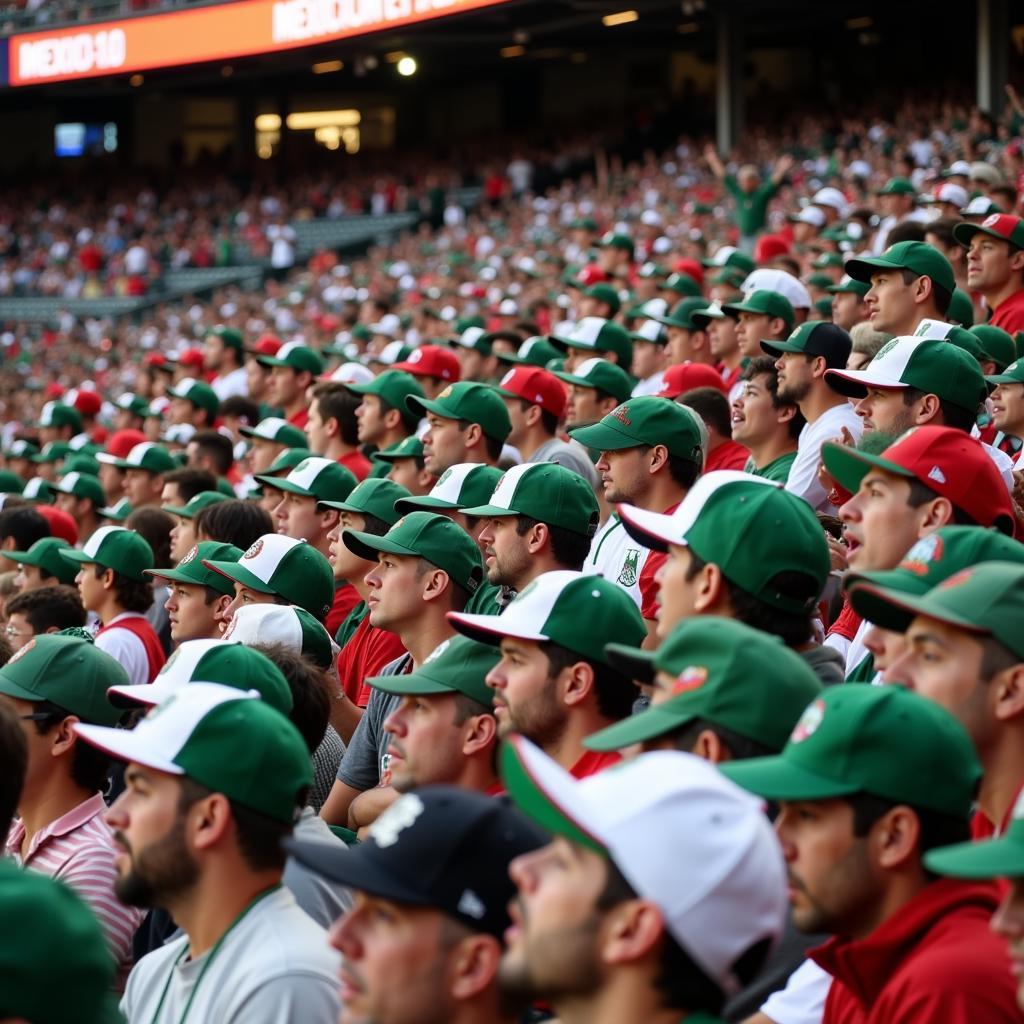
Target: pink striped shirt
x=78 y=848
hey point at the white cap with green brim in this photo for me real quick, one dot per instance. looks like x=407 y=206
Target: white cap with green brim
x=467 y=483
x=284 y=624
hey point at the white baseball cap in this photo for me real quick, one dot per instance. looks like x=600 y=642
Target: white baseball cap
x=350 y=373
x=770 y=280
x=832 y=198
x=294 y=628
x=810 y=215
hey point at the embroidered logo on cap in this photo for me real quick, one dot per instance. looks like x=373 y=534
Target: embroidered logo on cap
x=693 y=677
x=622 y=415
x=447 y=391
x=957 y=579
x=990 y=221
x=927 y=550
x=936 y=474
x=193 y=551
x=809 y=722
x=255 y=548
x=416 y=356
x=387 y=829
x=21 y=652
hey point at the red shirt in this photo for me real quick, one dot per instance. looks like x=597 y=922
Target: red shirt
x=648 y=586
x=368 y=650
x=728 y=455
x=346 y=597
x=935 y=960
x=299 y=419
x=138 y=625
x=357 y=463
x=847 y=622
x=1009 y=314
x=982 y=828
x=593 y=762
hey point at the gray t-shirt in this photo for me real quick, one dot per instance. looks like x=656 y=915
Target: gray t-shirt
x=325 y=901
x=326 y=759
x=570 y=455
x=273 y=967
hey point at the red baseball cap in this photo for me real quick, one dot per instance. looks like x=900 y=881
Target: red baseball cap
x=1004 y=226
x=53 y=390
x=683 y=377
x=590 y=274
x=537 y=386
x=61 y=524
x=123 y=441
x=85 y=401
x=267 y=345
x=431 y=361
x=948 y=461
x=691 y=268
x=191 y=357
x=770 y=246
x=154 y=359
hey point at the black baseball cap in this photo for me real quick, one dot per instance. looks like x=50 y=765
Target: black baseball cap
x=815 y=338
x=439 y=846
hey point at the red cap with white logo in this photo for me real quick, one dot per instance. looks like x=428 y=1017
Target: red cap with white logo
x=431 y=361
x=537 y=386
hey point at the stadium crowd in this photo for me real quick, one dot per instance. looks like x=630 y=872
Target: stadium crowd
x=600 y=604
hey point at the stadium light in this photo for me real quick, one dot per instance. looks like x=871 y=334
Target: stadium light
x=512 y=51
x=407 y=66
x=310 y=120
x=326 y=67
x=268 y=123
x=619 y=18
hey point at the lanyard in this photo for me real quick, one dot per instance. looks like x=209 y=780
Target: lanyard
x=209 y=960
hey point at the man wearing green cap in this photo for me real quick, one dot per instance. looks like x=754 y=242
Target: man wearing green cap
x=848 y=305
x=58 y=422
x=596 y=386
x=595 y=336
x=183 y=535
x=81 y=495
x=1007 y=401
x=224 y=356
x=403 y=464
x=215 y=780
x=897 y=200
x=760 y=316
x=384 y=419
x=42 y=565
x=193 y=402
x=292 y=371
x=144 y=468
x=476 y=361
x=269 y=438
x=871 y=780
x=52 y=683
x=687 y=339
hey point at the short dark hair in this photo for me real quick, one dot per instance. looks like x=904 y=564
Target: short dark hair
x=242 y=408
x=764 y=366
x=154 y=526
x=410 y=420
x=711 y=406
x=190 y=482
x=615 y=692
x=942 y=229
x=568 y=547
x=920 y=494
x=740 y=747
x=548 y=420
x=45 y=608
x=336 y=402
x=214 y=445
x=233 y=521
x=131 y=595
x=13 y=761
x=25 y=524
x=955 y=416
x=491 y=444
x=373 y=524
x=311 y=702
x=942 y=296
x=906 y=231
x=89 y=765
x=683 y=471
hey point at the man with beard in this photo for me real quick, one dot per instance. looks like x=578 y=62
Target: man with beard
x=802 y=361
x=215 y=779
x=554 y=683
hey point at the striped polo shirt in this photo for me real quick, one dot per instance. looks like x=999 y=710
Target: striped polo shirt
x=78 y=848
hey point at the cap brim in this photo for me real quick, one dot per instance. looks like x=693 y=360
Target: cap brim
x=861 y=269
x=652 y=529
x=647 y=725
x=604 y=437
x=79 y=557
x=848 y=466
x=995 y=858
x=125 y=745
x=238 y=573
x=369 y=545
x=895 y=609
x=480 y=511
x=412 y=683
x=12 y=689
x=855 y=383
x=992 y=379
x=486 y=629
x=282 y=484
x=774 y=348
x=134 y=696
x=109 y=460
x=178 y=510
x=963 y=233
x=776 y=778
x=22 y=558
x=633 y=662
x=568 y=378
x=417 y=405
x=424 y=503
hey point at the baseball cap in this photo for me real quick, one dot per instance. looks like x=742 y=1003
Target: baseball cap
x=410 y=447
x=81 y=462
x=22 y=449
x=373 y=496
x=211 y=661
x=118 y=512
x=114 y=547
x=57 y=414
x=536 y=351
x=536 y=386
x=192 y=570
x=980 y=206
x=134 y=404
x=440 y=846
x=285 y=567
x=923 y=259
x=315 y=477
x=470 y=401
x=198 y=392
x=346 y=373
x=230 y=337
x=392 y=386
x=602 y=376
x=196 y=504
x=990 y=858
x=10 y=482
x=950 y=462
x=606 y=293
x=147 y=455
x=223 y=738
x=933 y=366
x=815 y=338
x=571 y=609
x=45 y=555
x=730 y=256
x=752 y=528
x=467 y=483
x=285 y=462
x=457 y=665
x=278 y=430
x=285 y=624
x=53 y=451
x=682 y=314
x=996 y=344
x=849 y=284
x=683 y=377
x=948 y=192
x=71 y=673
x=1013 y=374
x=598 y=335
x=886 y=741
x=544 y=491
x=682 y=284
x=897 y=187
x=725 y=673
x=428 y=535
x=1004 y=226
x=431 y=361
x=296 y=356
x=647 y=420
x=650 y=331
x=763 y=302
x=121 y=442
x=683 y=836
x=474 y=338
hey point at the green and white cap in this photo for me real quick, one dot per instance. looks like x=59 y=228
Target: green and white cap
x=57 y=414
x=536 y=351
x=211 y=661
x=315 y=477
x=285 y=462
x=114 y=547
x=468 y=483
x=225 y=739
x=598 y=335
x=38 y=491
x=375 y=496
x=192 y=569
x=198 y=392
x=474 y=338
x=45 y=555
x=285 y=624
x=134 y=404
x=21 y=449
x=147 y=455
x=288 y=568
x=118 y=512
x=296 y=356
x=82 y=485
x=647 y=420
x=650 y=331
x=571 y=609
x=196 y=504
x=277 y=430
x=602 y=376
x=410 y=447
x=990 y=858
x=544 y=491
x=467 y=400
x=457 y=665
x=53 y=451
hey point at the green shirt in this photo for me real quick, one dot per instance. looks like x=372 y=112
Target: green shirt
x=863 y=671
x=777 y=469
x=351 y=624
x=751 y=207
x=484 y=601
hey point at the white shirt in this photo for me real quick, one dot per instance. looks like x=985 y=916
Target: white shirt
x=803 y=474
x=650 y=385
x=617 y=557
x=233 y=383
x=126 y=648
x=802 y=1001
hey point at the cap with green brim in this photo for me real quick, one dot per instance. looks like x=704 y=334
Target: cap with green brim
x=375 y=497
x=851 y=286
x=475 y=338
x=571 y=609
x=536 y=351
x=57 y=414
x=822 y=281
x=265 y=624
x=81 y=463
x=211 y=661
x=597 y=335
x=193 y=571
x=230 y=337
x=71 y=673
x=45 y=555
x=391 y=386
x=815 y=338
x=828 y=259
x=278 y=431
x=38 y=491
x=996 y=344
x=53 y=451
x=731 y=277
x=885 y=741
x=681 y=314
x=118 y=512
x=763 y=303
x=21 y=449
x=616 y=240
x=147 y=455
x=227 y=740
x=682 y=284
x=114 y=547
x=606 y=293
x=198 y=392
x=469 y=401
x=918 y=257
x=649 y=420
x=195 y=504
x=458 y=665
x=897 y=187
x=285 y=462
x=315 y=477
x=134 y=404
x=468 y=483
x=10 y=483
x=730 y=256
x=544 y=491
x=1013 y=374
x=427 y=535
x=410 y=447
x=600 y=375
x=961 y=309
x=725 y=673
x=295 y=356
x=292 y=569
x=989 y=858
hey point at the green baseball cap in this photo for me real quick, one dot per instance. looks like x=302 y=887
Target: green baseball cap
x=193 y=570
x=617 y=240
x=885 y=741
x=681 y=314
x=726 y=673
x=10 y=483
x=410 y=447
x=38 y=491
x=459 y=665
x=996 y=344
x=849 y=284
x=296 y=356
x=682 y=284
x=118 y=512
x=475 y=338
x=544 y=491
x=198 y=392
x=45 y=555
x=467 y=400
x=391 y=386
x=229 y=741
x=571 y=609
x=114 y=547
x=230 y=337
x=989 y=858
x=815 y=338
x=766 y=303
x=428 y=535
x=285 y=462
x=315 y=477
x=730 y=256
x=372 y=496
x=536 y=351
x=961 y=309
x=828 y=259
x=81 y=485
x=897 y=187
x=277 y=430
x=57 y=414
x=598 y=335
x=71 y=673
x=606 y=293
x=923 y=259
x=1013 y=374
x=147 y=455
x=648 y=420
x=602 y=376
x=134 y=404
x=53 y=451
x=752 y=528
x=285 y=567
x=80 y=463
x=196 y=504
x=468 y=483
x=22 y=449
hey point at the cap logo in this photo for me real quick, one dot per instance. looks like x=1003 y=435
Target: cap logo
x=622 y=414
x=437 y=651
x=693 y=677
x=20 y=653
x=990 y=221
x=254 y=549
x=387 y=829
x=447 y=391
x=809 y=722
x=957 y=579
x=508 y=376
x=190 y=556
x=471 y=905
x=936 y=474
x=444 y=476
x=628 y=573
x=886 y=348
x=1013 y=366
x=416 y=356
x=927 y=550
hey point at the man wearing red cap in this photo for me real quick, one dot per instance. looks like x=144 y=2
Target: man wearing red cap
x=685 y=377
x=120 y=443
x=995 y=266
x=433 y=366
x=88 y=403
